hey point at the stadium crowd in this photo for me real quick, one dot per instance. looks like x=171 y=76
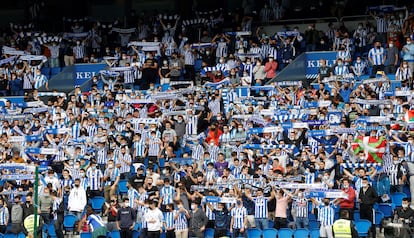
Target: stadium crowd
x=165 y=146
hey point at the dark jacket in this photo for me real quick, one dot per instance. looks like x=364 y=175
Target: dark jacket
x=198 y=219
x=126 y=217
x=369 y=197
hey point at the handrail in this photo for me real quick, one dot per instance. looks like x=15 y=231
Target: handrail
x=302 y=20
x=356 y=16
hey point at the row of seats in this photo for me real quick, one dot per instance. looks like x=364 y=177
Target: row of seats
x=362 y=227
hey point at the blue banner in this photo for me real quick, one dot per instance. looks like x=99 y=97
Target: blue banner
x=316 y=133
x=312 y=62
x=84 y=72
x=334 y=118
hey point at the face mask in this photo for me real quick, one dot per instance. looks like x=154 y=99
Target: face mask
x=165 y=62
x=395 y=162
x=300 y=194
x=346 y=186
x=218 y=118
x=408 y=42
x=358 y=61
x=390 y=45
x=193 y=207
x=364 y=185
x=339 y=64
x=405 y=66
x=404 y=205
x=221 y=61
x=180 y=120
x=126 y=204
x=207 y=52
x=82 y=174
x=240 y=129
x=111 y=166
x=258 y=63
x=360 y=27
x=271 y=59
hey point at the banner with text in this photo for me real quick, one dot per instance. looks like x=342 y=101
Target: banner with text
x=84 y=72
x=313 y=64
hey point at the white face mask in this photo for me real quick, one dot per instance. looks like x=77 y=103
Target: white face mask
x=193 y=207
x=404 y=205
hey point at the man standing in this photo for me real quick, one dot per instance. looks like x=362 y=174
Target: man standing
x=77 y=199
x=154 y=219
x=40 y=80
x=408 y=53
x=238 y=221
x=260 y=205
x=126 y=219
x=391 y=62
x=367 y=198
x=377 y=58
x=198 y=220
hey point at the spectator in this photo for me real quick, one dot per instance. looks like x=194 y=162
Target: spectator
x=198 y=220
x=377 y=58
x=392 y=58
x=126 y=219
x=367 y=198
x=77 y=200
x=348 y=203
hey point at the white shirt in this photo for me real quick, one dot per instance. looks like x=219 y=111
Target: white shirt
x=77 y=199
x=154 y=215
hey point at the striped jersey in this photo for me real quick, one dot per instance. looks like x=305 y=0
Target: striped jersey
x=301 y=207
x=4 y=216
x=112 y=174
x=180 y=223
x=326 y=215
x=123 y=159
x=167 y=194
x=169 y=220
x=238 y=214
x=132 y=196
x=377 y=55
x=260 y=207
x=94 y=179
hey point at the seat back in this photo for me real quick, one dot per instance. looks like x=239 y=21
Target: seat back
x=386 y=209
x=362 y=226
x=285 y=233
x=397 y=198
x=115 y=234
x=85 y=235
x=122 y=187
x=254 y=233
x=69 y=222
x=270 y=232
x=97 y=203
x=379 y=216
x=301 y=233
x=314 y=234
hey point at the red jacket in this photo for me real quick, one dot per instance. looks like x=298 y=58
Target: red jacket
x=270 y=68
x=350 y=201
